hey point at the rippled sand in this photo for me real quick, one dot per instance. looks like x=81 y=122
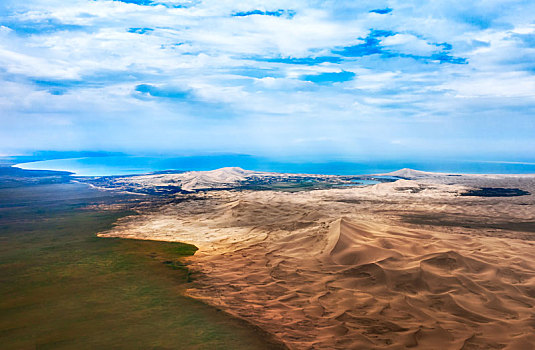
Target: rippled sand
x=409 y=264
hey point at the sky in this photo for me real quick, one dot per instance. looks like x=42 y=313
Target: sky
x=318 y=79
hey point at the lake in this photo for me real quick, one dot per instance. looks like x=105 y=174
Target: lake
x=130 y=165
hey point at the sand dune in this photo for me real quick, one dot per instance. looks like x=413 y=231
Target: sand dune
x=364 y=268
x=381 y=287
x=191 y=181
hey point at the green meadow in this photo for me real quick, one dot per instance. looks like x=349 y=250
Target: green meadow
x=61 y=287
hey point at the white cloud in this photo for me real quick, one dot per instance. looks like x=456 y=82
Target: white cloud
x=499 y=85
x=78 y=61
x=408 y=43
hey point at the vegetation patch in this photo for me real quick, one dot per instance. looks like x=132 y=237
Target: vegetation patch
x=62 y=287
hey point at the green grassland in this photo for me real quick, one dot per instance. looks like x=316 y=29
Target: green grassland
x=61 y=287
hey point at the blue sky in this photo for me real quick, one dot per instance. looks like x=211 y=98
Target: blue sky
x=326 y=79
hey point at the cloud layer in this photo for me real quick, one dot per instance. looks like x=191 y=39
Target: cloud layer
x=282 y=78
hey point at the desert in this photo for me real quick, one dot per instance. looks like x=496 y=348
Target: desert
x=429 y=261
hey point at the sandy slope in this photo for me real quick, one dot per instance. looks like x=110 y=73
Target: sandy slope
x=192 y=181
x=398 y=265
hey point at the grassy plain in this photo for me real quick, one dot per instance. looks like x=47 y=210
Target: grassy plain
x=61 y=287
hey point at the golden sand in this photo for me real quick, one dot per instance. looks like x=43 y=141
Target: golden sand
x=409 y=264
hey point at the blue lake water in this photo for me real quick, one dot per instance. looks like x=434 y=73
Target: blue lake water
x=129 y=165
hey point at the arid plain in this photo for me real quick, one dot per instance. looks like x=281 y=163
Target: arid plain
x=430 y=261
